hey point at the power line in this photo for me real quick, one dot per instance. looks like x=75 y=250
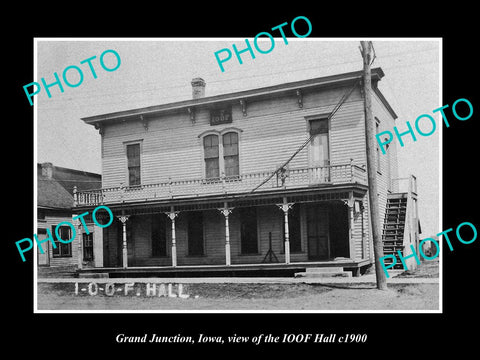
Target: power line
x=242 y=77
x=302 y=146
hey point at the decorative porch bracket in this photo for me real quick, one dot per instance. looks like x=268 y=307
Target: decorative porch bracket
x=123 y=219
x=144 y=121
x=191 y=112
x=243 y=105
x=172 y=215
x=285 y=207
x=226 y=212
x=299 y=98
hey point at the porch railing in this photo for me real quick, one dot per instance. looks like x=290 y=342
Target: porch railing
x=289 y=179
x=405 y=184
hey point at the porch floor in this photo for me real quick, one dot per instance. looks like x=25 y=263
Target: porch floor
x=234 y=270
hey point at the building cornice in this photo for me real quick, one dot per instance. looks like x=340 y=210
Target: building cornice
x=254 y=94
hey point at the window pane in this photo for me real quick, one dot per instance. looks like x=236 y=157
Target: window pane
x=65 y=233
x=212 y=169
x=66 y=249
x=134 y=176
x=87 y=247
x=210 y=144
x=319 y=150
x=318 y=126
x=230 y=153
x=133 y=155
x=211 y=151
x=230 y=144
x=133 y=160
x=231 y=166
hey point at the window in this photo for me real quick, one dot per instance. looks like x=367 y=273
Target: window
x=195 y=233
x=211 y=154
x=294 y=232
x=133 y=160
x=159 y=235
x=62 y=250
x=248 y=230
x=319 y=147
x=221 y=155
x=87 y=247
x=230 y=153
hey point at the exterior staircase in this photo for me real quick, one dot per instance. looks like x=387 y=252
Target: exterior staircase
x=394 y=227
x=401 y=225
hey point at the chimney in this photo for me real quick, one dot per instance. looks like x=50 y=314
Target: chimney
x=198 y=88
x=47 y=170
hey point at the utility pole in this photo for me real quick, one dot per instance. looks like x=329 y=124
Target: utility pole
x=366 y=50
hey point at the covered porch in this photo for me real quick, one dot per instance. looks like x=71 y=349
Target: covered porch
x=235 y=270
x=266 y=233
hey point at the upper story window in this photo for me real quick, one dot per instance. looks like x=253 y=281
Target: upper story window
x=133 y=164
x=319 y=146
x=221 y=154
x=211 y=154
x=230 y=153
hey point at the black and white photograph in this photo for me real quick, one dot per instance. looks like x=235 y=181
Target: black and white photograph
x=203 y=175
x=230 y=180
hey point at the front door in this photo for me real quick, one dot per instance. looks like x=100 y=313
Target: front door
x=317 y=232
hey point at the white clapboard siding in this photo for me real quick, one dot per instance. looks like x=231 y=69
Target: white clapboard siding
x=272 y=130
x=388 y=162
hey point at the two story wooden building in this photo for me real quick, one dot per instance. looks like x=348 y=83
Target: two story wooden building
x=273 y=177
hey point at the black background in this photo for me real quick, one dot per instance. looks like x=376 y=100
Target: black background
x=57 y=335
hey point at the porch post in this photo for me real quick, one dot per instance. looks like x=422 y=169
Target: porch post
x=285 y=207
x=123 y=219
x=350 y=203
x=172 y=215
x=226 y=212
x=352 y=225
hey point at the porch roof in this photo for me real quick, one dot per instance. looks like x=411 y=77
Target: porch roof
x=324 y=192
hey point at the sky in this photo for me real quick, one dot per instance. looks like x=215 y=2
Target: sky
x=158 y=71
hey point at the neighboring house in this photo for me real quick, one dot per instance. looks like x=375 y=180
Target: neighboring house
x=199 y=183
x=54 y=205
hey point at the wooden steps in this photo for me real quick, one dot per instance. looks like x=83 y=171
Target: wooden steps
x=393 y=227
x=324 y=272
